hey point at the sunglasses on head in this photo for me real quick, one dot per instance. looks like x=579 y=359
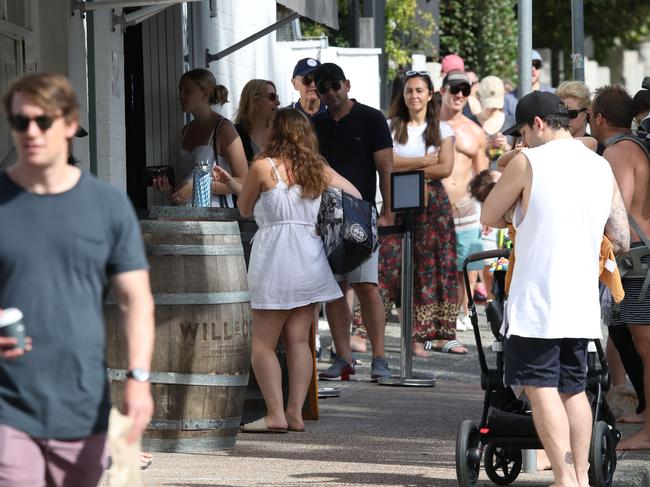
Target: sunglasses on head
x=461 y=88
x=20 y=123
x=575 y=113
x=537 y=64
x=410 y=74
x=307 y=80
x=335 y=86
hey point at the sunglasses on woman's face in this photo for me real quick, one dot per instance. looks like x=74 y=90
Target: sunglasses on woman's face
x=307 y=80
x=334 y=86
x=272 y=96
x=20 y=123
x=461 y=88
x=575 y=113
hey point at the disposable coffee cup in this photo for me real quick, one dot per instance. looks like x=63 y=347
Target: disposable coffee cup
x=11 y=325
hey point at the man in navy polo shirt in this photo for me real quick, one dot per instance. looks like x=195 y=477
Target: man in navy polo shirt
x=355 y=140
x=303 y=81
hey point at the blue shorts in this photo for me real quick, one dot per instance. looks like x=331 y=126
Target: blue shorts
x=546 y=362
x=468 y=242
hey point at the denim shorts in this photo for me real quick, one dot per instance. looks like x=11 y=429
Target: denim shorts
x=546 y=362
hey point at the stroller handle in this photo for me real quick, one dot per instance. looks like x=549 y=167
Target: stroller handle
x=486 y=254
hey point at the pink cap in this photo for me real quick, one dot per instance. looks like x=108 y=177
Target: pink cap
x=452 y=62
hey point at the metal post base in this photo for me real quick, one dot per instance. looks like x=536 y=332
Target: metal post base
x=404 y=382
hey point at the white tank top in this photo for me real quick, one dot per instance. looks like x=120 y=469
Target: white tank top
x=554 y=290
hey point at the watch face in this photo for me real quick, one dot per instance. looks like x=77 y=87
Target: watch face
x=139 y=375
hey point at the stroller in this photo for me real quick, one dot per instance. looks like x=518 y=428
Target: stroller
x=506 y=425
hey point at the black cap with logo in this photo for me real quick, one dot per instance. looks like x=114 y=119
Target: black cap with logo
x=536 y=104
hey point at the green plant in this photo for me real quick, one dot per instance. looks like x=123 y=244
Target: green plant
x=408 y=29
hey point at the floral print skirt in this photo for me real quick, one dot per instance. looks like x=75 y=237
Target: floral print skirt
x=435 y=288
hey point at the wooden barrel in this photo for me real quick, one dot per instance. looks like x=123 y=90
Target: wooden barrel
x=203 y=331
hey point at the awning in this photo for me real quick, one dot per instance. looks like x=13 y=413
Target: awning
x=321 y=11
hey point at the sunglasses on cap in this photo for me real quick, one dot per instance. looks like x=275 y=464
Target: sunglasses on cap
x=20 y=123
x=575 y=113
x=537 y=64
x=307 y=80
x=463 y=88
x=323 y=88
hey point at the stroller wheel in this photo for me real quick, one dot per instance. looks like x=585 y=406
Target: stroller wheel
x=502 y=463
x=602 y=456
x=468 y=454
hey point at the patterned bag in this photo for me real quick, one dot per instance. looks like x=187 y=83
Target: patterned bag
x=348 y=227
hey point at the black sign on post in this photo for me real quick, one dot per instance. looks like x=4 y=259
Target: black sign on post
x=407 y=198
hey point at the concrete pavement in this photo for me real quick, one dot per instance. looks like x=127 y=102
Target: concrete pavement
x=369 y=436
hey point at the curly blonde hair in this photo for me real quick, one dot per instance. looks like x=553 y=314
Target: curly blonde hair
x=577 y=90
x=294 y=142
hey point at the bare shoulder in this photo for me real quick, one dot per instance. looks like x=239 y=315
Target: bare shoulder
x=626 y=152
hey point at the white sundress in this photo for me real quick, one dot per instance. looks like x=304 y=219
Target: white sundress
x=288 y=267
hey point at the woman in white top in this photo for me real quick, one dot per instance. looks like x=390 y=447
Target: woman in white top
x=209 y=137
x=288 y=273
x=422 y=142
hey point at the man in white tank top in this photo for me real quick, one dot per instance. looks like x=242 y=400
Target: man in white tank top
x=566 y=197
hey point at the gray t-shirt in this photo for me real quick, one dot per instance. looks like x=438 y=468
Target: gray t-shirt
x=57 y=253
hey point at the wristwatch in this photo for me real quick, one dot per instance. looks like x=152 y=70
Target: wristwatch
x=138 y=375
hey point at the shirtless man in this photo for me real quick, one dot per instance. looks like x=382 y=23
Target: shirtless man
x=470 y=159
x=611 y=116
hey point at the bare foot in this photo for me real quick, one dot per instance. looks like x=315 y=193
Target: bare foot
x=358 y=344
x=638 y=441
x=294 y=421
x=457 y=350
x=543 y=463
x=419 y=351
x=631 y=419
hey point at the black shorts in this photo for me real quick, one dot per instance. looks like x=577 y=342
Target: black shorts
x=546 y=362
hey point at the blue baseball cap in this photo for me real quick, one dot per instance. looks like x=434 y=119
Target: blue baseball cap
x=305 y=66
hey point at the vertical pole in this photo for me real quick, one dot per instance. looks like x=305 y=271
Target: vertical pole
x=525 y=21
x=578 y=39
x=406 y=364
x=354 y=22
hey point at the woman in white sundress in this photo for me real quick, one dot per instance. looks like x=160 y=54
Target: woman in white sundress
x=288 y=273
x=208 y=137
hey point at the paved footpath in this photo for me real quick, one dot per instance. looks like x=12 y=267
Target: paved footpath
x=369 y=436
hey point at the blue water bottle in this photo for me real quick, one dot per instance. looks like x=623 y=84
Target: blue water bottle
x=202 y=185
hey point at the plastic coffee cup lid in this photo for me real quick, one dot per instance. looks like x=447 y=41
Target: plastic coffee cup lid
x=9 y=316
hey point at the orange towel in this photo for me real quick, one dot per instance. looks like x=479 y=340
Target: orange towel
x=609 y=274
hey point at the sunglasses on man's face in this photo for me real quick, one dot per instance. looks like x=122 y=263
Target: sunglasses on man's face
x=575 y=113
x=462 y=88
x=20 y=123
x=307 y=80
x=537 y=64
x=324 y=88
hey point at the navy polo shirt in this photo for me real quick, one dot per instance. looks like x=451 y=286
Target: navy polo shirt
x=349 y=145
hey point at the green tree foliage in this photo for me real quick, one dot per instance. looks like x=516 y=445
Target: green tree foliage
x=408 y=29
x=483 y=33
x=339 y=37
x=607 y=22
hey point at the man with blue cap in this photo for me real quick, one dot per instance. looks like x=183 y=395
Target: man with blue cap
x=309 y=103
x=510 y=102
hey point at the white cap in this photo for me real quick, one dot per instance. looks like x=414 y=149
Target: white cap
x=9 y=316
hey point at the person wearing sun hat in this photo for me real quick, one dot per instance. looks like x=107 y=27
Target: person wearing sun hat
x=309 y=103
x=562 y=192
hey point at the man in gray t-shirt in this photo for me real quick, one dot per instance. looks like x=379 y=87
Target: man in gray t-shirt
x=65 y=236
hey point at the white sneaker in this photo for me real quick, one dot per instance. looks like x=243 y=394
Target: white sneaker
x=461 y=324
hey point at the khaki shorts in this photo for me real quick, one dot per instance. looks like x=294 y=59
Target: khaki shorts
x=366 y=272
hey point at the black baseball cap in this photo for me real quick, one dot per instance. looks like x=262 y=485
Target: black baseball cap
x=328 y=71
x=455 y=78
x=536 y=104
x=305 y=66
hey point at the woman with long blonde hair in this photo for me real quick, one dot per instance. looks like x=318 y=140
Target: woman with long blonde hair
x=257 y=106
x=288 y=273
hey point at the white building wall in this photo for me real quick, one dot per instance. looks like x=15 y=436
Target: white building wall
x=235 y=20
x=109 y=100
